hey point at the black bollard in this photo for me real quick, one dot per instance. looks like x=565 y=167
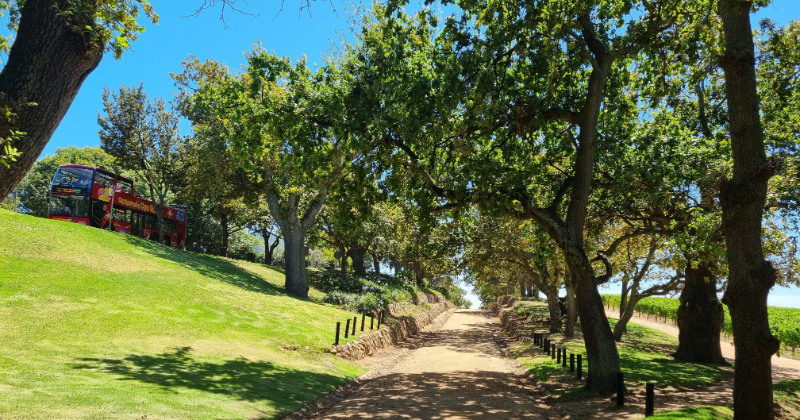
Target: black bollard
x=355 y=319
x=546 y=346
x=564 y=358
x=371 y=322
x=649 y=399
x=580 y=366
x=553 y=351
x=347 y=329
x=572 y=362
x=535 y=339
x=338 y=327
x=363 y=317
x=558 y=357
x=620 y=390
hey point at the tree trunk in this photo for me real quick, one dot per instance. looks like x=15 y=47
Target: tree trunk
x=601 y=349
x=523 y=288
x=700 y=318
x=294 y=241
x=551 y=293
x=267 y=248
x=46 y=65
x=624 y=317
x=357 y=254
x=343 y=261
x=572 y=309
x=226 y=233
x=743 y=197
x=532 y=290
x=376 y=263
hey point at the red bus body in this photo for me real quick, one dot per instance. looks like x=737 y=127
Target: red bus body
x=87 y=195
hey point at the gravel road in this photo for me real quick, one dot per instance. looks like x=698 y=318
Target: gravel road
x=458 y=373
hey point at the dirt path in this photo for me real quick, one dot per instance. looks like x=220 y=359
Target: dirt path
x=458 y=373
x=782 y=368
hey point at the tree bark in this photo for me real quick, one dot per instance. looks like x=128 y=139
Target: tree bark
x=743 y=197
x=572 y=309
x=700 y=318
x=376 y=263
x=294 y=240
x=624 y=317
x=551 y=293
x=357 y=252
x=226 y=233
x=523 y=288
x=46 y=66
x=267 y=249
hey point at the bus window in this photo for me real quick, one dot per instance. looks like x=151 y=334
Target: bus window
x=71 y=206
x=103 y=179
x=72 y=177
x=123 y=185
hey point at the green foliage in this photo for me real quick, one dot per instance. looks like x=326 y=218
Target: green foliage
x=696 y=413
x=363 y=295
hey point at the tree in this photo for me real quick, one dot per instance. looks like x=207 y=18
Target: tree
x=58 y=43
x=743 y=198
x=35 y=186
x=143 y=135
x=288 y=126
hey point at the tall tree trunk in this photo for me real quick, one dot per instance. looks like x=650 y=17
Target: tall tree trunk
x=294 y=241
x=46 y=66
x=743 y=197
x=523 y=288
x=532 y=290
x=357 y=252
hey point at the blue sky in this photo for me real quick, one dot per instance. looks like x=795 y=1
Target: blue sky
x=290 y=32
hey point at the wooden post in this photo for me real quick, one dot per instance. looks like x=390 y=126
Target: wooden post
x=363 y=317
x=558 y=358
x=553 y=351
x=371 y=322
x=572 y=362
x=649 y=399
x=347 y=329
x=338 y=327
x=620 y=390
x=580 y=366
x=546 y=346
x=355 y=319
x=564 y=358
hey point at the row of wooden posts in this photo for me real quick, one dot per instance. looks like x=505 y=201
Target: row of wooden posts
x=347 y=331
x=560 y=356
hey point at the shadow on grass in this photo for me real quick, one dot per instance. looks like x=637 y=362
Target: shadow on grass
x=284 y=388
x=209 y=266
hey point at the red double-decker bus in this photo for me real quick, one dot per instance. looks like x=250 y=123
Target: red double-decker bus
x=97 y=197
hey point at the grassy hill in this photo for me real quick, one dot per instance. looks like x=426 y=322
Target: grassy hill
x=104 y=325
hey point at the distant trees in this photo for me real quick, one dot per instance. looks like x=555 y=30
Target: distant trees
x=143 y=135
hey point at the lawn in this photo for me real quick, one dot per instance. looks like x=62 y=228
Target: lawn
x=105 y=325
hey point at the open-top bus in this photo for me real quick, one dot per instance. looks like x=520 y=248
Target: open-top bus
x=97 y=197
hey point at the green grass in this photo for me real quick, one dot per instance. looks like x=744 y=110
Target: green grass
x=644 y=357
x=105 y=325
x=696 y=413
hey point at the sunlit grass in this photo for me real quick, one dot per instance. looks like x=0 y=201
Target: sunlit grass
x=105 y=325
x=645 y=356
x=696 y=413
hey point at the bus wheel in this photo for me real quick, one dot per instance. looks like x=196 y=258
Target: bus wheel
x=167 y=242
x=153 y=237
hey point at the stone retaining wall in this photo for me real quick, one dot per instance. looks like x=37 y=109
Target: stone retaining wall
x=515 y=325
x=402 y=328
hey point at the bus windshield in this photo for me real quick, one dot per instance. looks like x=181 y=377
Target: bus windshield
x=73 y=177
